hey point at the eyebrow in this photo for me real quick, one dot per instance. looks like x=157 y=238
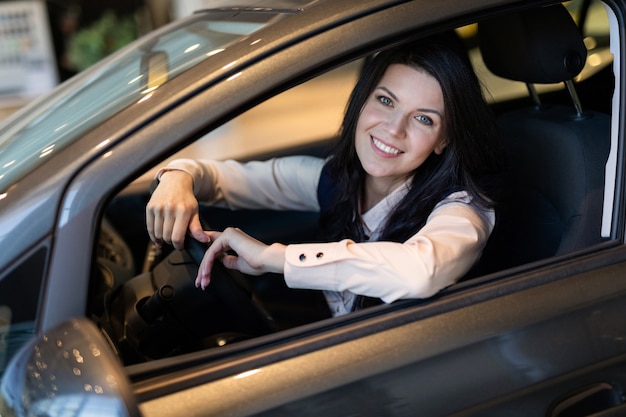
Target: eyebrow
x=425 y=110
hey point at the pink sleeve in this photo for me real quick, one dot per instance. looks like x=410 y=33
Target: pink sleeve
x=434 y=258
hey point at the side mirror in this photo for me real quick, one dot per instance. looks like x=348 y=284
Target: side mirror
x=69 y=371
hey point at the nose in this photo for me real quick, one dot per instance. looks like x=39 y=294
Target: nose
x=396 y=124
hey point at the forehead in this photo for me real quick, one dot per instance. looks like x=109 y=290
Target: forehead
x=412 y=85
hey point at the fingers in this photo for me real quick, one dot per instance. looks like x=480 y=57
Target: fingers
x=176 y=225
x=168 y=224
x=249 y=257
x=231 y=262
x=172 y=210
x=150 y=225
x=230 y=239
x=196 y=231
x=215 y=251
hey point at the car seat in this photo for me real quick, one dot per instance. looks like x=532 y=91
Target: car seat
x=557 y=154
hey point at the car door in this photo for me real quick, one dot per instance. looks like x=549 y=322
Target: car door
x=542 y=339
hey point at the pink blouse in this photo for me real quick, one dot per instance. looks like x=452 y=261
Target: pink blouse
x=435 y=257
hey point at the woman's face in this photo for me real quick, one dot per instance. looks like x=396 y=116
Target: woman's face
x=400 y=125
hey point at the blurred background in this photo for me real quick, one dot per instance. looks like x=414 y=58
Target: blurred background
x=45 y=42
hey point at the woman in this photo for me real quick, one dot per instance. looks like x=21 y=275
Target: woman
x=404 y=196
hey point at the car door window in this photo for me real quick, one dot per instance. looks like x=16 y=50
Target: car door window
x=303 y=119
x=20 y=291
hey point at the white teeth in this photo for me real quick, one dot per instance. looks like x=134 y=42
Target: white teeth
x=385 y=148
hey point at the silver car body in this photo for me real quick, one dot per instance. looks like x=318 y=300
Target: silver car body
x=514 y=342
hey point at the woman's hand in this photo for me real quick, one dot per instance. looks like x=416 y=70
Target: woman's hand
x=172 y=210
x=252 y=257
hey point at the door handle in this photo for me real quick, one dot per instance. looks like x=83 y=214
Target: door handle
x=597 y=400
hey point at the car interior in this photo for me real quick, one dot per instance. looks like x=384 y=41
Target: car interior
x=557 y=152
x=558 y=135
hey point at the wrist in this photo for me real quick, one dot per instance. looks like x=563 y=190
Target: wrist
x=177 y=176
x=276 y=258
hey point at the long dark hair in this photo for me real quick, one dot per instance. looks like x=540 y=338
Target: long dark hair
x=472 y=156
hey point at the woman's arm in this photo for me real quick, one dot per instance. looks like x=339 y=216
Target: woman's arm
x=437 y=256
x=282 y=184
x=288 y=183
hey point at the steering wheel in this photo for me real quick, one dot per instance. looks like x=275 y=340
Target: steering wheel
x=231 y=287
x=161 y=313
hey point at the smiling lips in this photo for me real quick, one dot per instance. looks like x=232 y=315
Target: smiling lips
x=386 y=150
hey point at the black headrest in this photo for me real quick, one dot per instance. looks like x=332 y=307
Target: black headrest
x=541 y=45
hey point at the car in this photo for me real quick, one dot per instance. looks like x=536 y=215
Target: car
x=95 y=319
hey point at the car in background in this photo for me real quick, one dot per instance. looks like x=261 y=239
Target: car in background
x=95 y=319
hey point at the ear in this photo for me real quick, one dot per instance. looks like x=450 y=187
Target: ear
x=441 y=146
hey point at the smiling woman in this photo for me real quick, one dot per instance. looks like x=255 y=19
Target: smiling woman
x=398 y=129
x=415 y=173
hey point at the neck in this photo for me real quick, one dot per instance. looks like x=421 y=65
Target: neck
x=374 y=191
x=368 y=201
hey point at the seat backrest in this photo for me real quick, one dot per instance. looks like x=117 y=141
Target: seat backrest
x=557 y=154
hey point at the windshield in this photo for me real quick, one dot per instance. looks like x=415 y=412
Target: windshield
x=103 y=90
